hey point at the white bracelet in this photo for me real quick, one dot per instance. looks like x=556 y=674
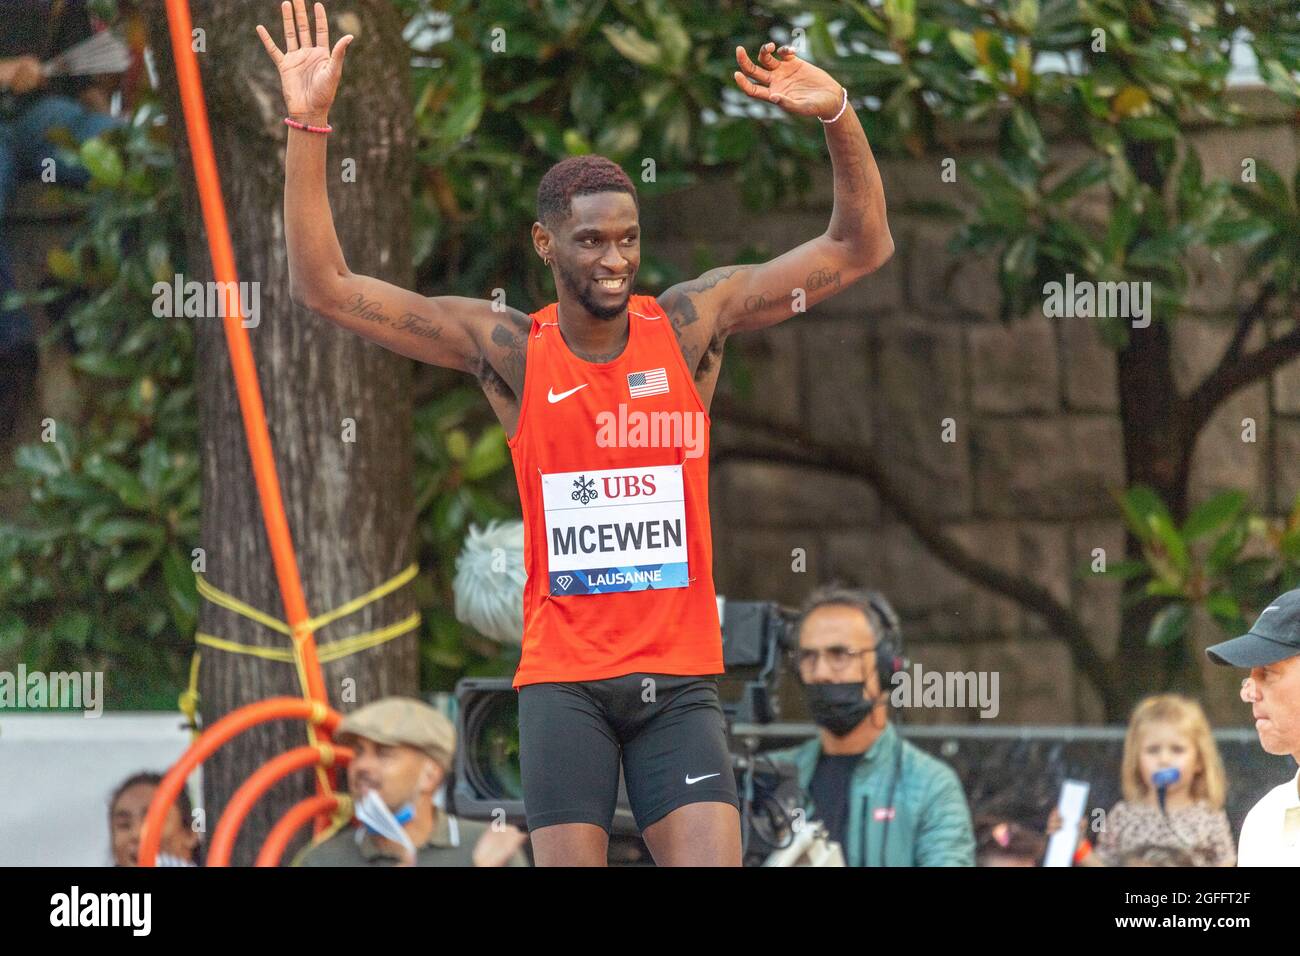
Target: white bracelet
x=843 y=107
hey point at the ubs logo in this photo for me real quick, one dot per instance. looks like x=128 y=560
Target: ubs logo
x=584 y=490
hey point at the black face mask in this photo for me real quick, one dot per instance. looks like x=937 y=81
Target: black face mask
x=837 y=707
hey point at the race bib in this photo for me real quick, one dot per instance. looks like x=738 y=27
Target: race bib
x=617 y=529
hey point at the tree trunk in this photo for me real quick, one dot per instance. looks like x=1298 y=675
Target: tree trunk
x=1157 y=453
x=349 y=503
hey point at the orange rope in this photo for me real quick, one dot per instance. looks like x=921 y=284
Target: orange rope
x=314 y=707
x=241 y=353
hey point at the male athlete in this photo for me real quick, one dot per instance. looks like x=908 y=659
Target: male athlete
x=621 y=633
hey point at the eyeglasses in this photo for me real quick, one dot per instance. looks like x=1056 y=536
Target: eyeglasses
x=838 y=656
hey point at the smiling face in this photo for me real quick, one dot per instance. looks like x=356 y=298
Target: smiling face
x=597 y=252
x=1275 y=705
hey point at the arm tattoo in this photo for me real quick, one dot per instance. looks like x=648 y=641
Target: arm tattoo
x=510 y=343
x=822 y=279
x=683 y=309
x=369 y=309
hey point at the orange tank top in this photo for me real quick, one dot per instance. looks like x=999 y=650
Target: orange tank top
x=612 y=461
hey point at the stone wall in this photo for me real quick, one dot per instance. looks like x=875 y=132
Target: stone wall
x=1026 y=483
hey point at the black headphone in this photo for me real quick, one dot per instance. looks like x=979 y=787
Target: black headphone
x=889 y=642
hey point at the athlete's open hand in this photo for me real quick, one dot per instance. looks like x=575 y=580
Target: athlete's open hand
x=791 y=83
x=309 y=72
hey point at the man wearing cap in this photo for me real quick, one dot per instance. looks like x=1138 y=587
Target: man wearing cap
x=1271 y=649
x=404 y=750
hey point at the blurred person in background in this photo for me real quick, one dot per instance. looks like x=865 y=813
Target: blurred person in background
x=1167 y=732
x=404 y=751
x=180 y=845
x=32 y=106
x=1001 y=842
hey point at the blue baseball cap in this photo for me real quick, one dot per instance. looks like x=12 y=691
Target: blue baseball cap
x=1274 y=637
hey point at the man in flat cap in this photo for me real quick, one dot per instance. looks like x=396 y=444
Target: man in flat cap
x=1271 y=649
x=404 y=750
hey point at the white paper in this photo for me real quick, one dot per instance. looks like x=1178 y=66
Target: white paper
x=1073 y=801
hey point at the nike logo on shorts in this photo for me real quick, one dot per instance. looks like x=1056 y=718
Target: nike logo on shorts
x=690 y=779
x=553 y=398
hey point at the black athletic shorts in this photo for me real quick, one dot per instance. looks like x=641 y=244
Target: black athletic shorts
x=670 y=734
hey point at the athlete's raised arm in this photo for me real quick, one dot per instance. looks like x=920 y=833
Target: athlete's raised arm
x=451 y=331
x=855 y=244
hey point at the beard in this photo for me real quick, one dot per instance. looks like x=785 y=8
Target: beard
x=580 y=287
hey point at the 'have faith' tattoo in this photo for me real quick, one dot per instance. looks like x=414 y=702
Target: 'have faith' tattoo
x=369 y=309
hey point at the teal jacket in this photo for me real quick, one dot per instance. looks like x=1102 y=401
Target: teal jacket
x=931 y=825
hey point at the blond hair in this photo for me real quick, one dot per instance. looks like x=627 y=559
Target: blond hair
x=1210 y=782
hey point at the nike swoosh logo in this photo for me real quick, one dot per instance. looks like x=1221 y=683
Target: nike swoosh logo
x=690 y=779
x=553 y=398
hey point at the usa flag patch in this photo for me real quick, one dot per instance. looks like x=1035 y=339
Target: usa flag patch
x=651 y=382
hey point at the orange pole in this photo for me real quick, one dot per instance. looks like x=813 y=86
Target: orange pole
x=289 y=824
x=232 y=725
x=262 y=780
x=241 y=353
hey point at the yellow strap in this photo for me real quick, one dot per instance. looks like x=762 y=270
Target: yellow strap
x=333 y=651
x=232 y=603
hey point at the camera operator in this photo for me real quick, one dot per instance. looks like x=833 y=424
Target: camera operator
x=884 y=800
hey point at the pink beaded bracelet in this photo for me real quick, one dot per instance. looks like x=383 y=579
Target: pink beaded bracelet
x=310 y=129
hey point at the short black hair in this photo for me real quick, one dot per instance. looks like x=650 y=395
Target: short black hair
x=578 y=176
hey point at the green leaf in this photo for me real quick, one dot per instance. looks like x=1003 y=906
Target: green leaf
x=1174 y=545
x=102 y=161
x=1148 y=128
x=1019 y=259
x=182 y=588
x=1026 y=135
x=118 y=480
x=1169 y=625
x=127 y=570
x=1126 y=569
x=1224 y=608
x=457 y=444
x=43 y=459
x=964 y=44
x=1089 y=174
x=632 y=45
x=117 y=530
x=489 y=454
x=1213 y=514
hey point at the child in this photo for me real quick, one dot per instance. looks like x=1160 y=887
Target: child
x=1169 y=731
x=126 y=812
